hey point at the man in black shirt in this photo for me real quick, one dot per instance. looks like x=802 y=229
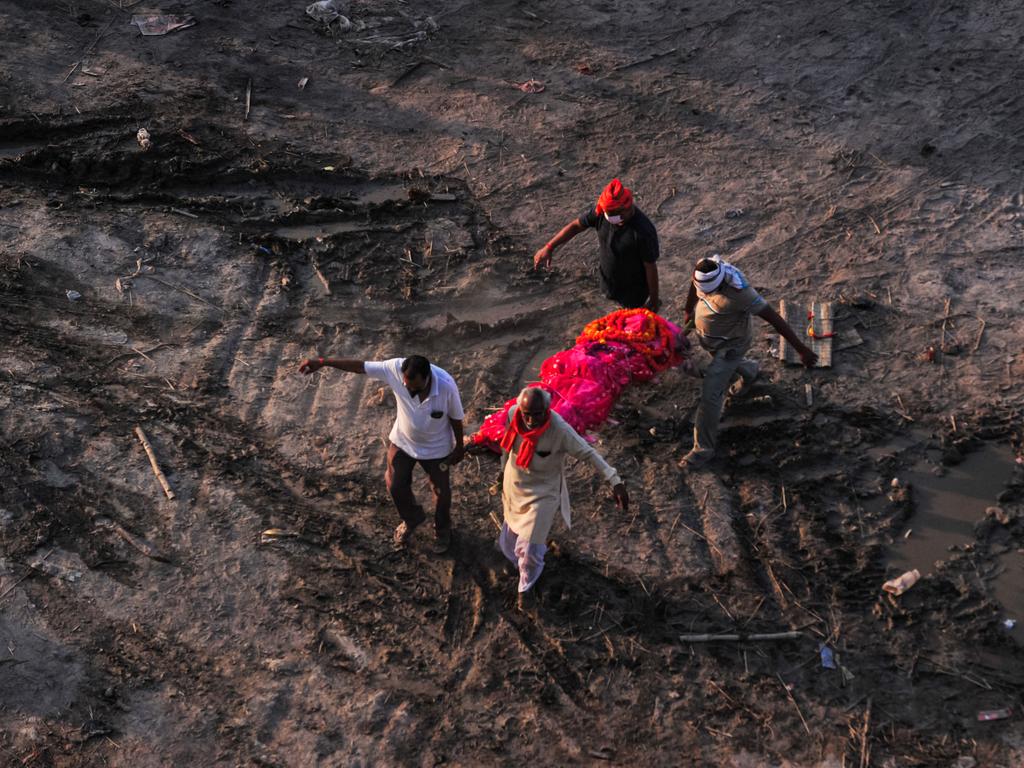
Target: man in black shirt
x=628 y=247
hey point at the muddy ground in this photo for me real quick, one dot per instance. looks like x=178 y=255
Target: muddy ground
x=867 y=154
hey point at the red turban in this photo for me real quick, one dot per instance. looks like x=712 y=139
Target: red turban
x=615 y=196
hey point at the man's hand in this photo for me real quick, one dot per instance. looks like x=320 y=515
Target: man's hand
x=311 y=365
x=808 y=358
x=457 y=455
x=543 y=257
x=621 y=497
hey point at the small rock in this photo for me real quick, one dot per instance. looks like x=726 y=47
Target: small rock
x=1001 y=516
x=73 y=295
x=965 y=762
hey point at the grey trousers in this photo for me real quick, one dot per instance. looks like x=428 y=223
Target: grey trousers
x=725 y=364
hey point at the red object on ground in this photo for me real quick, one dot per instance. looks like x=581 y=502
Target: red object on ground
x=626 y=346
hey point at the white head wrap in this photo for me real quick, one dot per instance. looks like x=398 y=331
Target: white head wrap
x=706 y=282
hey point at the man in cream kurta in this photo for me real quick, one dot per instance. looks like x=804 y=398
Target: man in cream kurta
x=533 y=494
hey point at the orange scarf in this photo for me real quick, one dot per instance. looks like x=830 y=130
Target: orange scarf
x=530 y=437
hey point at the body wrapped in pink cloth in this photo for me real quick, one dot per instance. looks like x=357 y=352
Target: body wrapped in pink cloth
x=629 y=345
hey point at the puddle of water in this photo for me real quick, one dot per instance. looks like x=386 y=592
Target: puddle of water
x=946 y=508
x=893 y=448
x=379 y=194
x=14 y=152
x=1006 y=589
x=319 y=231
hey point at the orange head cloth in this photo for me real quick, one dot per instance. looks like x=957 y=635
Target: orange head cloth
x=530 y=437
x=615 y=197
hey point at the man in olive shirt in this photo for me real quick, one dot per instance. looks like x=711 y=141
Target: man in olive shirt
x=724 y=302
x=628 y=245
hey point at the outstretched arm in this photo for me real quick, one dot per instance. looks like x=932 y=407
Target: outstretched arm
x=775 y=320
x=565 y=234
x=314 y=364
x=579 y=448
x=653 y=299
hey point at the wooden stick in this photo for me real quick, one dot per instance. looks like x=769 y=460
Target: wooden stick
x=644 y=60
x=31 y=568
x=741 y=637
x=792 y=698
x=865 y=747
x=319 y=274
x=186 y=291
x=702 y=536
x=71 y=71
x=977 y=342
x=945 y=319
x=152 y=460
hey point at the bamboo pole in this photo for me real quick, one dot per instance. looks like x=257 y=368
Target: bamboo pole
x=735 y=638
x=152 y=460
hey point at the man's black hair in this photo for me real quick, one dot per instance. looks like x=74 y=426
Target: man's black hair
x=707 y=265
x=416 y=365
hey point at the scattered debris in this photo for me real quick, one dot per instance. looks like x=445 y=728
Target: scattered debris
x=530 y=86
x=188 y=137
x=57 y=569
x=902 y=583
x=986 y=715
x=248 y=98
x=326 y=11
x=1001 y=515
x=302 y=83
x=10 y=589
x=152 y=460
x=272 y=535
x=73 y=295
x=1009 y=623
x=828 y=659
x=144 y=139
x=161 y=24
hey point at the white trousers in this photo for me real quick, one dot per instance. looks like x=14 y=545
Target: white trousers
x=527 y=557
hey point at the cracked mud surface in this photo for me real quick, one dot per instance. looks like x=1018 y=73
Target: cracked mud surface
x=864 y=155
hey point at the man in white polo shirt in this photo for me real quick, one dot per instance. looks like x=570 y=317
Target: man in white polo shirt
x=427 y=431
